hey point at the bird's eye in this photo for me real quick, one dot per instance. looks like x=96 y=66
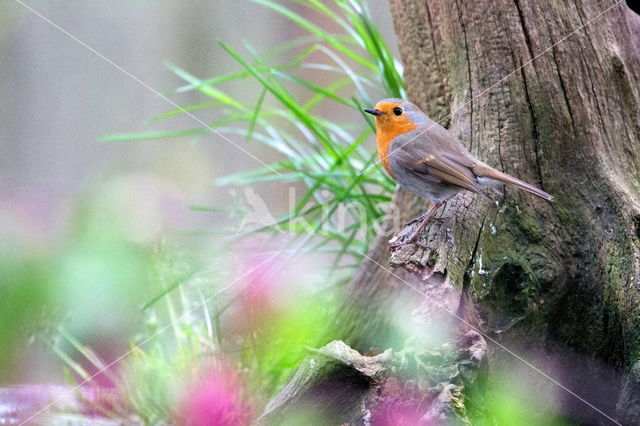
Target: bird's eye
x=397 y=111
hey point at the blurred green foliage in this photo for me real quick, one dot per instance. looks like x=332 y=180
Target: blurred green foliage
x=23 y=294
x=92 y=278
x=513 y=400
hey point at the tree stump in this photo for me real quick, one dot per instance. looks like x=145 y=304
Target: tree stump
x=548 y=92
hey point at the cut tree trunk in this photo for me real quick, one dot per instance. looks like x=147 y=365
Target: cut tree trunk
x=549 y=92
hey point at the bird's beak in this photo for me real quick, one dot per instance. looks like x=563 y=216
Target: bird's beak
x=374 y=111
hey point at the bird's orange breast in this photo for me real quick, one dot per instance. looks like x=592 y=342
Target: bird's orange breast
x=385 y=134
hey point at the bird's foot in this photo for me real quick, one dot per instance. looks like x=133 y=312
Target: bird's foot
x=414 y=220
x=420 y=244
x=439 y=220
x=396 y=243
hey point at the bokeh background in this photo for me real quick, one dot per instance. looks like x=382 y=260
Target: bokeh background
x=129 y=245
x=87 y=226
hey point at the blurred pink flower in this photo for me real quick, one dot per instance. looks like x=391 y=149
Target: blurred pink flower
x=216 y=400
x=265 y=285
x=273 y=278
x=402 y=404
x=397 y=413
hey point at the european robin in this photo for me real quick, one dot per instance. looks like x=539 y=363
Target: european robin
x=430 y=161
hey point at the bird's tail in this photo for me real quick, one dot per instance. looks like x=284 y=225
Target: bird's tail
x=484 y=170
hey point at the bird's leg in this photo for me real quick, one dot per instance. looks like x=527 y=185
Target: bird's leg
x=421 y=218
x=415 y=237
x=424 y=219
x=416 y=219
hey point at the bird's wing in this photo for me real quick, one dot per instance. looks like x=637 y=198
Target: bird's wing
x=434 y=165
x=436 y=155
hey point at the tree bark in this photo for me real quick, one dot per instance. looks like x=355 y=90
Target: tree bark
x=549 y=92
